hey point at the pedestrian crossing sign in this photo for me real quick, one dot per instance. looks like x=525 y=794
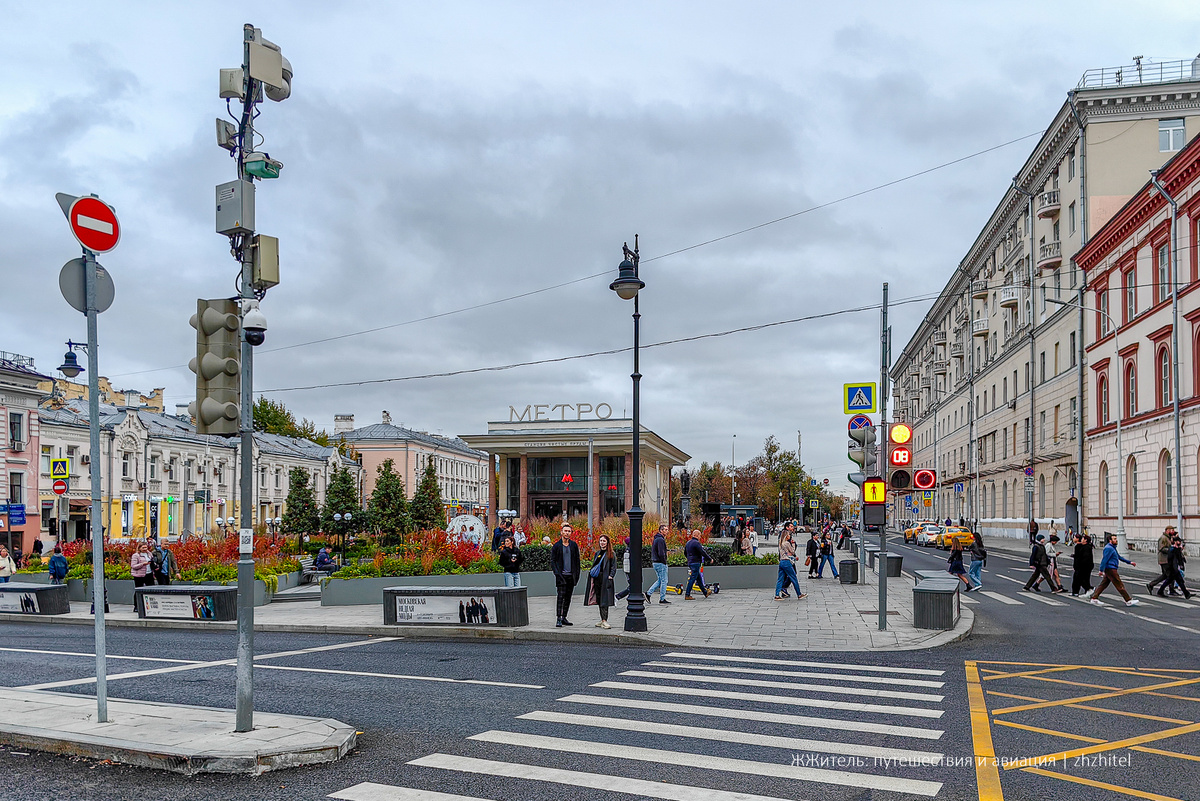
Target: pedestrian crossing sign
x=859 y=398
x=59 y=469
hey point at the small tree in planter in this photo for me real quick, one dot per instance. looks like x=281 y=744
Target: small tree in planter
x=341 y=497
x=427 y=509
x=300 y=514
x=389 y=506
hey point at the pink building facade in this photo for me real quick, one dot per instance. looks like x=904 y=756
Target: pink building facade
x=19 y=452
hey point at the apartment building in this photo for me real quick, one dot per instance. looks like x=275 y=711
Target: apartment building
x=20 y=430
x=1132 y=265
x=992 y=380
x=158 y=476
x=462 y=471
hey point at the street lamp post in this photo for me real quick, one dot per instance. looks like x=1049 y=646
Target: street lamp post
x=627 y=285
x=1121 y=541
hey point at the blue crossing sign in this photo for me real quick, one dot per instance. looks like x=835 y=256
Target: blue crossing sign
x=859 y=398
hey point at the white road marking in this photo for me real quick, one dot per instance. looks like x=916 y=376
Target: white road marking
x=797 y=663
x=728 y=736
x=966 y=600
x=107 y=656
x=370 y=791
x=1046 y=601
x=753 y=714
x=441 y=679
x=802 y=674
x=92 y=224
x=1004 y=599
x=839 y=778
x=818 y=703
x=869 y=692
x=575 y=779
x=1169 y=602
x=137 y=674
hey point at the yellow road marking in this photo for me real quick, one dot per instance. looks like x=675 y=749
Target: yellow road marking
x=1024 y=673
x=1051 y=732
x=1132 y=672
x=1114 y=745
x=1097 y=697
x=1140 y=715
x=1101 y=785
x=987 y=771
x=1046 y=664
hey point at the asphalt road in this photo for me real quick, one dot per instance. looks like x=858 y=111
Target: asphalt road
x=719 y=718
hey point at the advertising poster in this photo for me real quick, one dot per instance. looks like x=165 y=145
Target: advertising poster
x=20 y=602
x=464 y=609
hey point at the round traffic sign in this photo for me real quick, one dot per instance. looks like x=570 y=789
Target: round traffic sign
x=60 y=487
x=72 y=283
x=94 y=224
x=859 y=421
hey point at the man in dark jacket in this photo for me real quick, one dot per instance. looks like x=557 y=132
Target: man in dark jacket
x=1039 y=561
x=696 y=555
x=658 y=557
x=813 y=553
x=564 y=561
x=1164 y=550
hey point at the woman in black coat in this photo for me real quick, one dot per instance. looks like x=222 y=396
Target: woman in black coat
x=1084 y=563
x=602 y=586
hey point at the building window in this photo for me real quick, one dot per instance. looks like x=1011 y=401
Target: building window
x=612 y=484
x=1071 y=341
x=1167 y=480
x=16 y=428
x=1041 y=496
x=1043 y=297
x=1164 y=376
x=1027 y=432
x=16 y=487
x=1104 y=488
x=1130 y=295
x=1071 y=217
x=1042 y=430
x=1131 y=477
x=1102 y=399
x=1074 y=416
x=1170 y=135
x=1071 y=164
x=1163 y=286
x=125 y=464
x=1042 y=367
x=1102 y=305
x=1130 y=391
x=153 y=467
x=47 y=454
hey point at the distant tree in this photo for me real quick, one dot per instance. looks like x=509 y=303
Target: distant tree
x=272 y=417
x=388 y=505
x=427 y=509
x=300 y=513
x=341 y=497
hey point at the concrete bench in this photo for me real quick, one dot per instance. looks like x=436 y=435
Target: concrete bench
x=871 y=551
x=180 y=602
x=455 y=606
x=22 y=598
x=937 y=603
x=921 y=575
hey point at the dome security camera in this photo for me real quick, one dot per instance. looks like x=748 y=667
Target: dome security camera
x=254 y=323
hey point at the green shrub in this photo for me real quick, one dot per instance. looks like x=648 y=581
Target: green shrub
x=765 y=559
x=537 y=557
x=721 y=554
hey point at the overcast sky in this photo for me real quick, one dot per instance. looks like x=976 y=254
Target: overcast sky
x=444 y=155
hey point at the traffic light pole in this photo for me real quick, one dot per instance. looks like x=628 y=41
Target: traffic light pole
x=98 y=578
x=881 y=559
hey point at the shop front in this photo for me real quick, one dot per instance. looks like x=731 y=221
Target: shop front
x=543 y=467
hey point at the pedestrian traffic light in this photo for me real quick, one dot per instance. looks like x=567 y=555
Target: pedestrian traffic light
x=925 y=479
x=217 y=366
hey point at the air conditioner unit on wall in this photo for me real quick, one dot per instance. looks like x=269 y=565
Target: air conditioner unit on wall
x=17 y=445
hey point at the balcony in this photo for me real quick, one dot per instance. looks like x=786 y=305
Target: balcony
x=1047 y=204
x=1049 y=255
x=962 y=316
x=1010 y=297
x=956 y=350
x=926 y=383
x=914 y=370
x=939 y=337
x=980 y=328
x=941 y=367
x=979 y=290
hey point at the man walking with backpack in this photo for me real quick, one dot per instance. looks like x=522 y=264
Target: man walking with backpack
x=163 y=565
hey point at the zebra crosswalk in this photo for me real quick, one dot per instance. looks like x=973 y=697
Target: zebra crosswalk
x=694 y=726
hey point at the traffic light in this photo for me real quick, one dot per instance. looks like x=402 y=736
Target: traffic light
x=217 y=367
x=925 y=479
x=899 y=457
x=863 y=453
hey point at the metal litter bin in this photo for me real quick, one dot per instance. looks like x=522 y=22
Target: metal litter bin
x=894 y=562
x=848 y=571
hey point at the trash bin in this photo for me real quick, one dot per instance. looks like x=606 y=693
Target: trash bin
x=848 y=571
x=894 y=561
x=871 y=550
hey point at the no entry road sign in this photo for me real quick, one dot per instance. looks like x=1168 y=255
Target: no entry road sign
x=94 y=224
x=60 y=487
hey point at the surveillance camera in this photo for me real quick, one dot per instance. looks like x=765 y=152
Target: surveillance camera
x=254 y=323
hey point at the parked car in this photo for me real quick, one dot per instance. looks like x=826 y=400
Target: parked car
x=928 y=535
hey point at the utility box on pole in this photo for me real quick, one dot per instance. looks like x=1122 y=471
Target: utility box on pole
x=235 y=208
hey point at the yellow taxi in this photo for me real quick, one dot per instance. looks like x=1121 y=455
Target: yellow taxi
x=950 y=534
x=910 y=533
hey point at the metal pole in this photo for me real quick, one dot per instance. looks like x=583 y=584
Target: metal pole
x=1174 y=348
x=883 y=448
x=98 y=583
x=635 y=615
x=589 y=486
x=245 y=568
x=732 y=474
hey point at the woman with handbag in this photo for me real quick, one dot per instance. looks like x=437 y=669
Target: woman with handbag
x=787 y=566
x=601 y=585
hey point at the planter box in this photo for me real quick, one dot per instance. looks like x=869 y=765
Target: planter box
x=455 y=606
x=186 y=602
x=32 y=578
x=358 y=591
x=27 y=598
x=288 y=580
x=120 y=591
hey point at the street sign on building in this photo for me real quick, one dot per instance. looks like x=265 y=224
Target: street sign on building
x=859 y=398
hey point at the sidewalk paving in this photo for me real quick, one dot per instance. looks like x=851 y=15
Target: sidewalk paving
x=834 y=617
x=173 y=737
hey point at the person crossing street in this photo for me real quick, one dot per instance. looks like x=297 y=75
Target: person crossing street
x=1109 y=564
x=1164 y=551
